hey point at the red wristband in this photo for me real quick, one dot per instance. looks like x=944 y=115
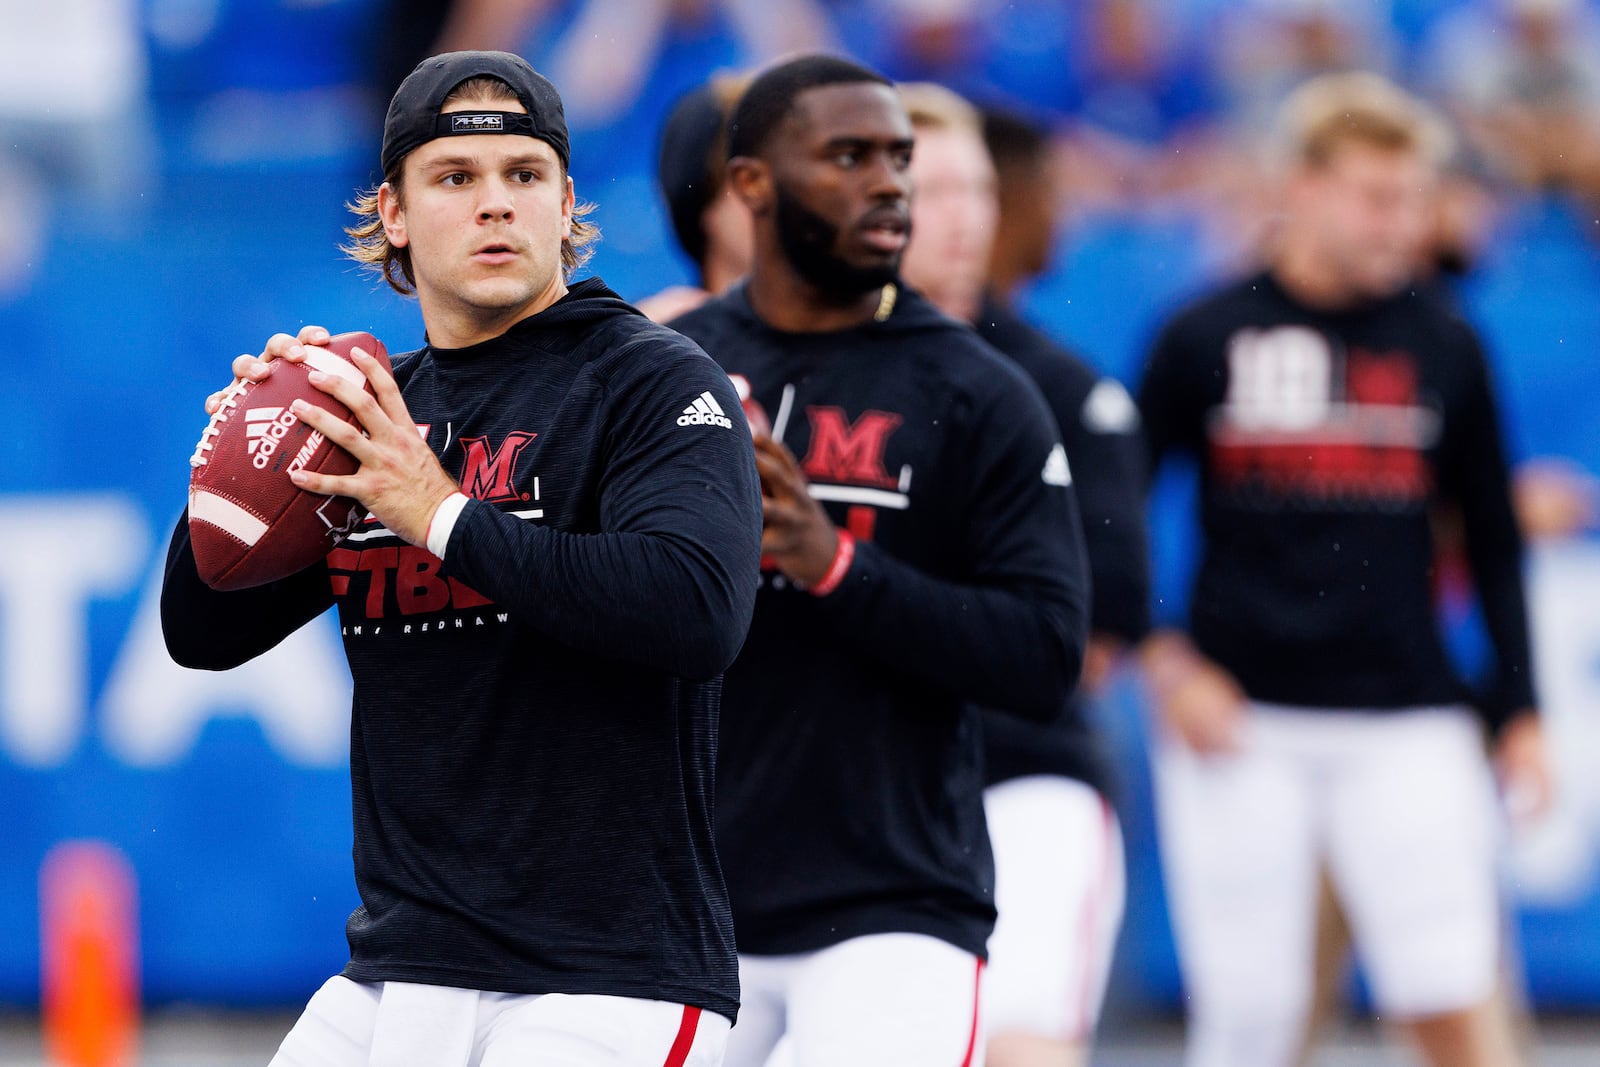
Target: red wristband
x=843 y=555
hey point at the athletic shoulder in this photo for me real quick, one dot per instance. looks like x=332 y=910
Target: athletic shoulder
x=404 y=365
x=717 y=318
x=641 y=343
x=943 y=349
x=618 y=343
x=1065 y=378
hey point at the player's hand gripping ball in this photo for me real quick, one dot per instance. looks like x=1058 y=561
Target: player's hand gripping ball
x=248 y=522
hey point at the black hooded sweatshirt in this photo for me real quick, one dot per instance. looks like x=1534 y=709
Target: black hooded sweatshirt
x=1099 y=425
x=534 y=729
x=850 y=774
x=1328 y=443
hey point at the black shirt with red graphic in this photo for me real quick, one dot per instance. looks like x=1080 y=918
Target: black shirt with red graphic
x=1100 y=428
x=850 y=775
x=534 y=729
x=1328 y=445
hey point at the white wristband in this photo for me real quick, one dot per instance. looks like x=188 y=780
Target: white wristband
x=444 y=520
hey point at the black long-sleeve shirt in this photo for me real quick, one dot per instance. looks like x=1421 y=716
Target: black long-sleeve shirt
x=1099 y=426
x=850 y=773
x=534 y=729
x=1326 y=442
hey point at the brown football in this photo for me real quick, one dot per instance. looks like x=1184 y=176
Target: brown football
x=249 y=524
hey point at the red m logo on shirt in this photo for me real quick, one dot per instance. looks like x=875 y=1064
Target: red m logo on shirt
x=490 y=473
x=849 y=452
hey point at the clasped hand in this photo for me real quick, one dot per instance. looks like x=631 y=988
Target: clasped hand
x=399 y=480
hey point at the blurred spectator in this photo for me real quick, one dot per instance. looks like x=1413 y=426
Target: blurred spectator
x=1265 y=48
x=411 y=30
x=606 y=56
x=1143 y=109
x=712 y=225
x=936 y=36
x=1523 y=78
x=1031 y=206
x=1057 y=841
x=1463 y=224
x=1143 y=83
x=73 y=120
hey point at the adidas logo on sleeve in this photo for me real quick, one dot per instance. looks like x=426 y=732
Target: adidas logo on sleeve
x=705 y=411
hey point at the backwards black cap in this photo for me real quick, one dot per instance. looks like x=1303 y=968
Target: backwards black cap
x=414 y=117
x=690 y=137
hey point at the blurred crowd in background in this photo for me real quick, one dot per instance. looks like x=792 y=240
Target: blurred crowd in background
x=1158 y=108
x=1158 y=104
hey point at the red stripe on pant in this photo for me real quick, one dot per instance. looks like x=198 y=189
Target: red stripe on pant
x=685 y=1039
x=972 y=1038
x=1082 y=1026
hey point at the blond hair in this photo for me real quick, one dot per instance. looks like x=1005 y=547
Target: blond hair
x=369 y=244
x=933 y=107
x=1357 y=107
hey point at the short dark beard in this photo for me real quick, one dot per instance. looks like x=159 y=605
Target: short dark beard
x=808 y=241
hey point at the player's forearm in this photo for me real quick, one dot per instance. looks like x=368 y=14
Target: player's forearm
x=1015 y=649
x=678 y=602
x=212 y=630
x=1497 y=573
x=1495 y=552
x=1119 y=575
x=1479 y=477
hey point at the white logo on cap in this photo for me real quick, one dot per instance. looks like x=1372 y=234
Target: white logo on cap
x=485 y=123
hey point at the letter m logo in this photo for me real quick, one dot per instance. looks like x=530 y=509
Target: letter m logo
x=849 y=452
x=490 y=473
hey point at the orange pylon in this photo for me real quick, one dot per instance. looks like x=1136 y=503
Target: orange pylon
x=89 y=956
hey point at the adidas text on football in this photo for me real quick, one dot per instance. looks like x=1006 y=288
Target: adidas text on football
x=264 y=428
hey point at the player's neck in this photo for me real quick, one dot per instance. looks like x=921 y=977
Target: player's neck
x=1306 y=276
x=785 y=301
x=455 y=324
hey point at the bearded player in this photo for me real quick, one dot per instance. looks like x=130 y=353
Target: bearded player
x=923 y=555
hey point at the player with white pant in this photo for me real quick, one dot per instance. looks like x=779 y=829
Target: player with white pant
x=1057 y=846
x=1337 y=409
x=923 y=559
x=1400 y=806
x=535 y=861
x=381 y=1024
x=816 y=998
x=1059 y=889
